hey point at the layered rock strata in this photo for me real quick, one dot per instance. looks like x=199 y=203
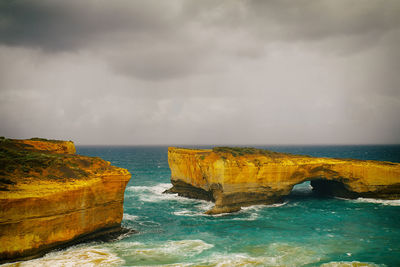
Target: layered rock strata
x=238 y=177
x=57 y=146
x=51 y=198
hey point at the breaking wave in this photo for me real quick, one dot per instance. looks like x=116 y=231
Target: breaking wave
x=350 y=264
x=275 y=254
x=74 y=257
x=155 y=193
x=379 y=201
x=159 y=253
x=129 y=217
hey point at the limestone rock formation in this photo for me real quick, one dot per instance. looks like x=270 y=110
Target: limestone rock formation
x=238 y=177
x=50 y=197
x=57 y=146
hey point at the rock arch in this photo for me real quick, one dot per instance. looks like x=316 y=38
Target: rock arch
x=234 y=178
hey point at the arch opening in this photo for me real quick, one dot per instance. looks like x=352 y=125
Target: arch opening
x=302 y=189
x=321 y=188
x=330 y=188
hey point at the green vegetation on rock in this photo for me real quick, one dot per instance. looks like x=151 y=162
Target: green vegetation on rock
x=18 y=163
x=46 y=140
x=241 y=151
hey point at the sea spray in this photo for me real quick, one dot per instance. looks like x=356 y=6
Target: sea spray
x=82 y=255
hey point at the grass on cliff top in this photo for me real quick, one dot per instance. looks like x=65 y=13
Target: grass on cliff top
x=17 y=163
x=241 y=151
x=46 y=140
x=3 y=139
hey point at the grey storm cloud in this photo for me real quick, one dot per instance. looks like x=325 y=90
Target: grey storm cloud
x=56 y=25
x=158 y=38
x=207 y=71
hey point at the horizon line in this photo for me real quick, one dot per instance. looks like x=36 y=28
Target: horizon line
x=241 y=145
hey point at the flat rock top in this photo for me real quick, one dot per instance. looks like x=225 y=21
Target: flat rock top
x=249 y=153
x=27 y=169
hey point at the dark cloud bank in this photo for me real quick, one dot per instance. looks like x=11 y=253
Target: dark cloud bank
x=201 y=72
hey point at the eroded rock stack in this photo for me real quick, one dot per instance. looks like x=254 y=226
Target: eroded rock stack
x=50 y=197
x=237 y=177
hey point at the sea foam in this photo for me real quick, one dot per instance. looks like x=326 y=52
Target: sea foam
x=350 y=264
x=275 y=254
x=74 y=257
x=129 y=217
x=155 y=193
x=385 y=202
x=168 y=252
x=253 y=212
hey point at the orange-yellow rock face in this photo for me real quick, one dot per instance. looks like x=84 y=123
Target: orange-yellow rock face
x=236 y=180
x=49 y=199
x=56 y=146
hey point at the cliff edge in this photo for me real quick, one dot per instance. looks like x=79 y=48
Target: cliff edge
x=50 y=197
x=238 y=177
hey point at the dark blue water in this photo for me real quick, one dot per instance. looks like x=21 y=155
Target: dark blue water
x=304 y=231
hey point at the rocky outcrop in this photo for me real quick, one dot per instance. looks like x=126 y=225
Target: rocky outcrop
x=237 y=177
x=57 y=146
x=54 y=198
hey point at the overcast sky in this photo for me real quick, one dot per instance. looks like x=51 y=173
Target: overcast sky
x=201 y=72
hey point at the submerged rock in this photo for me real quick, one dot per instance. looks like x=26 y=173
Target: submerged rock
x=50 y=197
x=238 y=177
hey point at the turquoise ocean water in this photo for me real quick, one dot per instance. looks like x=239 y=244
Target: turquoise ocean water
x=303 y=231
